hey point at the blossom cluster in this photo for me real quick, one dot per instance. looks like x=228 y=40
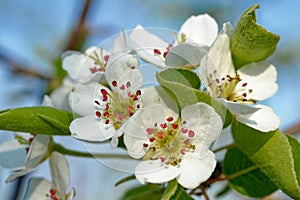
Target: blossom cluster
x=105 y=90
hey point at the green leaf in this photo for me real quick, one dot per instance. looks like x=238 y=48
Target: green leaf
x=295 y=145
x=244 y=176
x=38 y=120
x=180 y=194
x=153 y=191
x=170 y=190
x=185 y=92
x=272 y=153
x=183 y=76
x=249 y=41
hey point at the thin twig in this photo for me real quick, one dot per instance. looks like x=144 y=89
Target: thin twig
x=80 y=30
x=17 y=68
x=293 y=130
x=202 y=187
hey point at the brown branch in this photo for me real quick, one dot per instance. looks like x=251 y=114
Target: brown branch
x=17 y=68
x=293 y=130
x=202 y=187
x=81 y=29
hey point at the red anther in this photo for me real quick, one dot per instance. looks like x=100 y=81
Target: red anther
x=162 y=159
x=166 y=53
x=138 y=92
x=152 y=139
x=98 y=114
x=107 y=121
x=183 y=130
x=106 y=114
x=182 y=151
x=244 y=94
x=164 y=125
x=122 y=87
x=105 y=98
x=106 y=106
x=52 y=191
x=186 y=142
x=156 y=51
x=149 y=131
x=169 y=119
x=114 y=83
x=145 y=145
x=103 y=92
x=97 y=102
x=138 y=106
x=135 y=98
x=128 y=84
x=244 y=85
x=175 y=126
x=191 y=133
x=106 y=57
x=160 y=135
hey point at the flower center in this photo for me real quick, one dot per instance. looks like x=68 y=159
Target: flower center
x=100 y=61
x=226 y=88
x=168 y=142
x=114 y=108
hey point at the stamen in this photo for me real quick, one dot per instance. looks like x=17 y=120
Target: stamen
x=169 y=119
x=149 y=131
x=128 y=84
x=163 y=125
x=191 y=133
x=157 y=52
x=98 y=114
x=175 y=126
x=160 y=135
x=183 y=130
x=244 y=85
x=145 y=145
x=122 y=87
x=114 y=83
x=152 y=139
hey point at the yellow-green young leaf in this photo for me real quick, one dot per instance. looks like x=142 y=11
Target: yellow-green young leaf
x=175 y=83
x=38 y=120
x=295 y=145
x=244 y=176
x=170 y=190
x=272 y=153
x=149 y=191
x=249 y=41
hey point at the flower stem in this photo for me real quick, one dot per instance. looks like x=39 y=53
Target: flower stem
x=63 y=150
x=225 y=147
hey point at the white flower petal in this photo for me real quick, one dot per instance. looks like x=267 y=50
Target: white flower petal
x=218 y=62
x=77 y=65
x=37 y=151
x=60 y=173
x=90 y=129
x=154 y=171
x=260 y=78
x=12 y=155
x=195 y=170
x=241 y=109
x=134 y=145
x=144 y=43
x=37 y=188
x=202 y=29
x=204 y=121
x=264 y=119
x=121 y=43
x=136 y=80
x=157 y=97
x=60 y=96
x=82 y=97
x=119 y=64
